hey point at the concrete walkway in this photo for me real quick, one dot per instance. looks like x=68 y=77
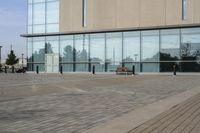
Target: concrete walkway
x=79 y=103
x=183 y=118
x=181 y=115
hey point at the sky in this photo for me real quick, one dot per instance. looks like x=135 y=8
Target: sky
x=13 y=21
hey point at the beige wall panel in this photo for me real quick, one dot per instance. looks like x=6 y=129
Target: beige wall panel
x=174 y=12
x=197 y=11
x=104 y=14
x=111 y=14
x=190 y=13
x=152 y=12
x=65 y=15
x=77 y=14
x=128 y=13
x=70 y=15
x=90 y=14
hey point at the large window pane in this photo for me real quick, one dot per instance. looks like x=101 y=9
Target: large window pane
x=150 y=46
x=30 y=50
x=190 y=49
x=40 y=66
x=39 y=29
x=53 y=12
x=66 y=48
x=52 y=28
x=67 y=67
x=170 y=45
x=97 y=51
x=190 y=67
x=168 y=66
x=130 y=66
x=39 y=13
x=131 y=50
x=39 y=50
x=30 y=14
x=36 y=1
x=52 y=45
x=113 y=50
x=30 y=1
x=82 y=48
x=150 y=67
x=82 y=67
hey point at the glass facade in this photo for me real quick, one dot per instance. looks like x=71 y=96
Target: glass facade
x=43 y=16
x=148 y=51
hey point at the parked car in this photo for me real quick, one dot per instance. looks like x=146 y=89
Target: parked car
x=21 y=70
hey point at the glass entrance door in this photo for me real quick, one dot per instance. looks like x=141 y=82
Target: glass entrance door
x=52 y=63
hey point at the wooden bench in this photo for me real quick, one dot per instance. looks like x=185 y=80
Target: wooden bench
x=123 y=70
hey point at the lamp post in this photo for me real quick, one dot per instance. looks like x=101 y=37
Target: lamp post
x=22 y=61
x=0 y=54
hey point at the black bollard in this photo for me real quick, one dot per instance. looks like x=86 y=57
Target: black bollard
x=93 y=70
x=61 y=70
x=133 y=70
x=174 y=68
x=13 y=69
x=5 y=69
x=37 y=69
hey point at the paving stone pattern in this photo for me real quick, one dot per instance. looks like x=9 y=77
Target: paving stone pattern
x=183 y=118
x=74 y=103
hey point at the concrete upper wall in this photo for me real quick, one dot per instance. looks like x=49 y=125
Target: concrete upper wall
x=111 y=14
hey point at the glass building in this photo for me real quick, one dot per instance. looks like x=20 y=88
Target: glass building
x=149 y=49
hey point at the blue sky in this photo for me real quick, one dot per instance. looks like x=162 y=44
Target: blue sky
x=13 y=15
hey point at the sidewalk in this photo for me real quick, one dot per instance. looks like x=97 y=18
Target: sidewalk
x=177 y=114
x=183 y=118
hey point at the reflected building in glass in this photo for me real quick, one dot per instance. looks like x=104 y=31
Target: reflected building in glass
x=78 y=34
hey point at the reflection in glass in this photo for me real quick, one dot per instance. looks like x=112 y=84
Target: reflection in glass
x=97 y=51
x=190 y=48
x=38 y=28
x=30 y=14
x=82 y=67
x=150 y=67
x=131 y=44
x=39 y=50
x=39 y=13
x=40 y=66
x=150 y=46
x=81 y=52
x=82 y=48
x=170 y=45
x=66 y=48
x=30 y=50
x=130 y=66
x=190 y=66
x=67 y=67
x=52 y=12
x=52 y=28
x=52 y=45
x=43 y=16
x=113 y=50
x=168 y=66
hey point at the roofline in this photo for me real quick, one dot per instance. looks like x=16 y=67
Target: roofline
x=112 y=30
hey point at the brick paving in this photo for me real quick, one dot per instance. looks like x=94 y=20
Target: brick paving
x=183 y=118
x=74 y=103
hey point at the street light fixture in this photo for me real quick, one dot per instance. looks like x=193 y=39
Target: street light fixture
x=22 y=61
x=0 y=53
